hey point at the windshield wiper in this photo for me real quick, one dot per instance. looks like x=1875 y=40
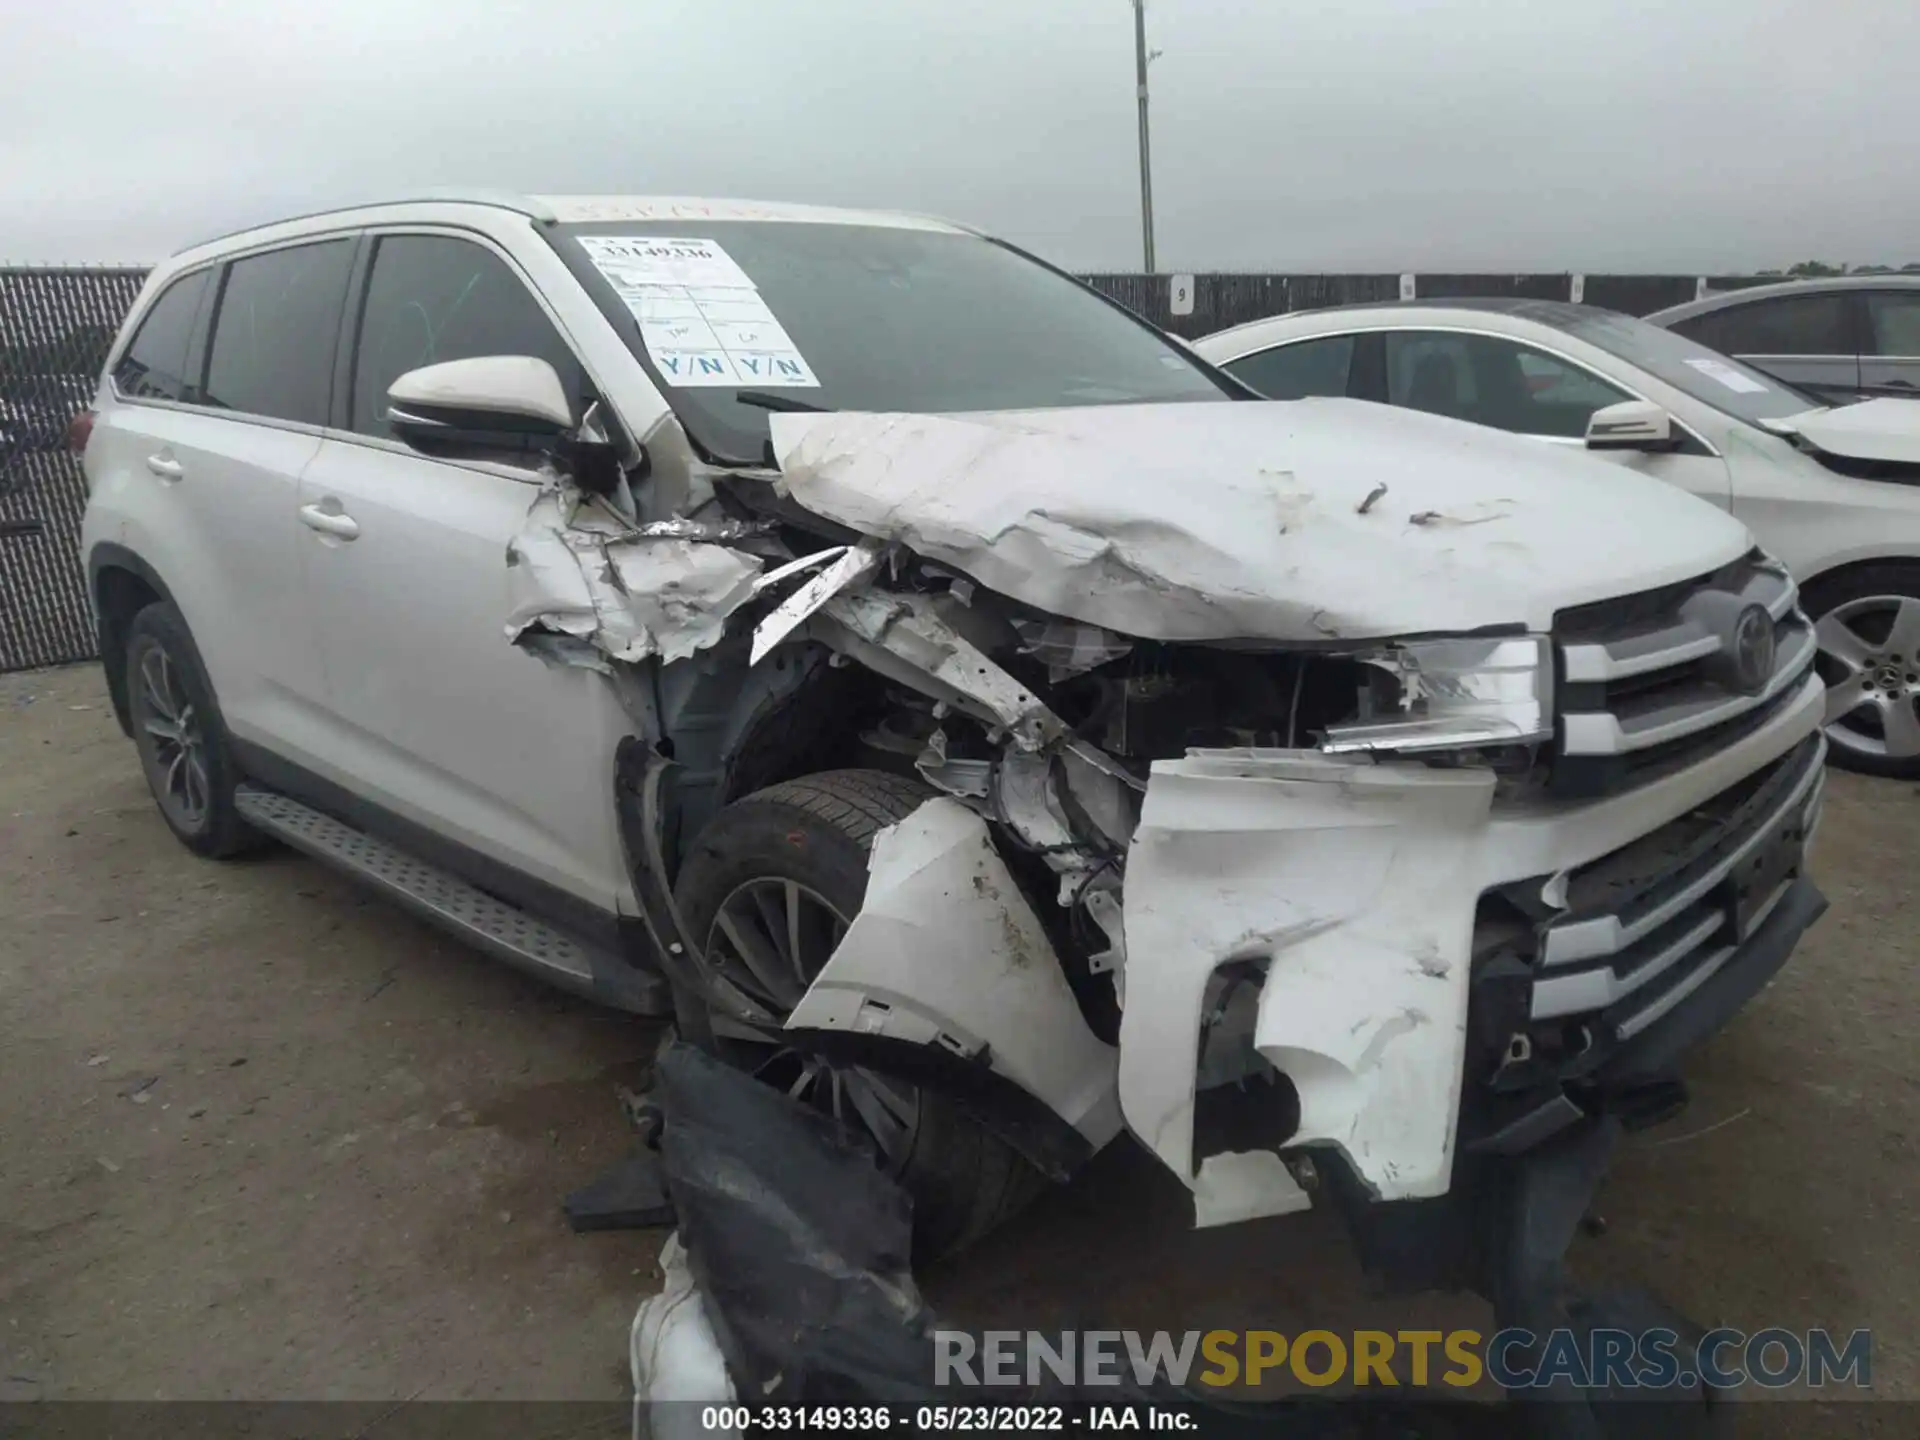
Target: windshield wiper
x=767 y=400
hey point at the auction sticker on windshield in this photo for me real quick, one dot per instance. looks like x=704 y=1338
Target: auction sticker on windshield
x=700 y=314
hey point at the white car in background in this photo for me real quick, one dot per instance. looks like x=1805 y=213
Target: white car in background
x=1834 y=493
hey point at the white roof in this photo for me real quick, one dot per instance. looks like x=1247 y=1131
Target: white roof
x=587 y=209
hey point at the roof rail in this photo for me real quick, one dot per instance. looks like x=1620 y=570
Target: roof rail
x=498 y=199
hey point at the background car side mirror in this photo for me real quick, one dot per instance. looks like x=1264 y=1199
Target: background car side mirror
x=1630 y=425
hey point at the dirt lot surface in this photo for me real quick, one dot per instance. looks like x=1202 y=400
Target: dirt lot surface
x=263 y=1137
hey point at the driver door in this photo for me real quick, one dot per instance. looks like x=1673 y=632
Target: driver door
x=436 y=718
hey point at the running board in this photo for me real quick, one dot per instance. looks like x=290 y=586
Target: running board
x=444 y=899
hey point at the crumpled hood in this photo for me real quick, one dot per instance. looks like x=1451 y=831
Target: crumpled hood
x=1283 y=520
x=1883 y=429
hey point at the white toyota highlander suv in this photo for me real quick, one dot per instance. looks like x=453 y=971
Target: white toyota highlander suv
x=962 y=703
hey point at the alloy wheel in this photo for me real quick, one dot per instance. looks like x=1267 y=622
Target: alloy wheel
x=174 y=740
x=1870 y=660
x=768 y=941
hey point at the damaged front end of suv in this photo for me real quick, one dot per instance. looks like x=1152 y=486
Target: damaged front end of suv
x=1356 y=807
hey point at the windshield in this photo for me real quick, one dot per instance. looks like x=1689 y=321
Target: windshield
x=802 y=315
x=1707 y=375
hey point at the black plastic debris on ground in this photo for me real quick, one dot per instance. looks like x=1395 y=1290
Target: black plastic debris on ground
x=631 y=1196
x=799 y=1245
x=797 y=1240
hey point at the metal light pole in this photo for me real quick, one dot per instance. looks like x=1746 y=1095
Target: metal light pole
x=1140 y=58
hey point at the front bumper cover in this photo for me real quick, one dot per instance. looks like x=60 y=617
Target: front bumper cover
x=1357 y=887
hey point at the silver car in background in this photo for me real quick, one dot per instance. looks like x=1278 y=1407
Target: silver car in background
x=1843 y=339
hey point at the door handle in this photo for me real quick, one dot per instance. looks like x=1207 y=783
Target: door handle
x=165 y=468
x=329 y=522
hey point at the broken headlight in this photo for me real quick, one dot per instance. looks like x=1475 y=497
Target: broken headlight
x=1464 y=694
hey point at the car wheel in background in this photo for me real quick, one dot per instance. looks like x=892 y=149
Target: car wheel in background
x=1868 y=623
x=180 y=737
x=768 y=889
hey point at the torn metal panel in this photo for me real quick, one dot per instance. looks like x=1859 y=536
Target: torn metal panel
x=1357 y=882
x=1248 y=521
x=947 y=952
x=854 y=564
x=908 y=630
x=580 y=572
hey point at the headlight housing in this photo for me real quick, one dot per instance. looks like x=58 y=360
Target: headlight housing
x=1451 y=694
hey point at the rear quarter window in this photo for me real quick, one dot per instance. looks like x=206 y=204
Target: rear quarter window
x=154 y=365
x=1293 y=372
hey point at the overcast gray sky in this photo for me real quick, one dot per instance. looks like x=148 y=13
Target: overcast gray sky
x=1288 y=135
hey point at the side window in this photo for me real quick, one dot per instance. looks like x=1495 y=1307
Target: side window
x=1494 y=382
x=274 y=333
x=1293 y=372
x=432 y=298
x=155 y=364
x=1896 y=323
x=1791 y=325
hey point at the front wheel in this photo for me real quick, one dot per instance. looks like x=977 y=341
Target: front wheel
x=768 y=890
x=1868 y=624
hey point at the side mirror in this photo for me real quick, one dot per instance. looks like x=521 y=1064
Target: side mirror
x=1630 y=425
x=492 y=402
x=502 y=403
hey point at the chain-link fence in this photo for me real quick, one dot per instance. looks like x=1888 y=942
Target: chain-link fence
x=55 y=327
x=57 y=323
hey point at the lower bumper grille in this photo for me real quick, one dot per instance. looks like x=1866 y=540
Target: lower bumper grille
x=1650 y=923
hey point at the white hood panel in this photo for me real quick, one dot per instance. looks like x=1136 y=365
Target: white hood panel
x=1250 y=520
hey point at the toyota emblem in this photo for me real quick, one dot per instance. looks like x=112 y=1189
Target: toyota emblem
x=1751 y=651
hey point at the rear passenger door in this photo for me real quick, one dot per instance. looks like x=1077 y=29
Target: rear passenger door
x=1809 y=341
x=213 y=444
x=437 y=719
x=1891 y=365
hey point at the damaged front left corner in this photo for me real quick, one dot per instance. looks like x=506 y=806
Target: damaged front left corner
x=586 y=586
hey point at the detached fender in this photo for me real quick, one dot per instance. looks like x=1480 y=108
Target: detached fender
x=947 y=958
x=1357 y=884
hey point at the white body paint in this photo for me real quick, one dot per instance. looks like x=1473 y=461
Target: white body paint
x=1883 y=429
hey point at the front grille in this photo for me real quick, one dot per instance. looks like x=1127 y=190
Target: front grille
x=1648 y=924
x=1644 y=682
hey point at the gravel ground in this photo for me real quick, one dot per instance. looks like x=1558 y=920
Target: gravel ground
x=263 y=1137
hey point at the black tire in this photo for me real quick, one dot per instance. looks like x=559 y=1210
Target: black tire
x=163 y=666
x=1866 y=598
x=815 y=832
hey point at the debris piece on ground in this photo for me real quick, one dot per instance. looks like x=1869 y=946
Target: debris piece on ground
x=675 y=1358
x=631 y=1196
x=797 y=1241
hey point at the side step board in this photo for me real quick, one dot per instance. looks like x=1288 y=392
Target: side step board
x=444 y=899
